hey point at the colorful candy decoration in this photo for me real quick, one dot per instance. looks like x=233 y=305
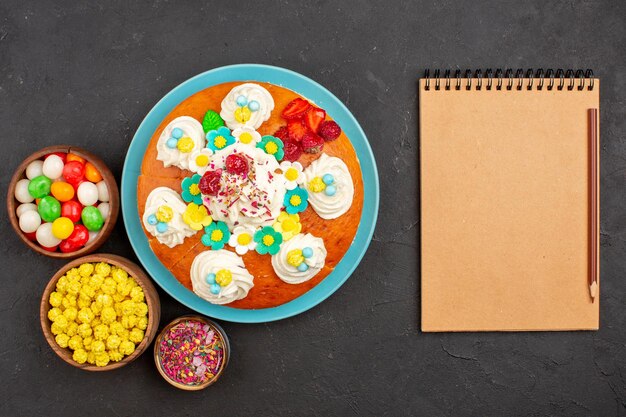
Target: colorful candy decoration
x=163 y=215
x=216 y=235
x=296 y=200
x=64 y=202
x=219 y=139
x=212 y=121
x=268 y=240
x=272 y=146
x=297 y=258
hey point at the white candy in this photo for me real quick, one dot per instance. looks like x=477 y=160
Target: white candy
x=87 y=193
x=92 y=237
x=103 y=191
x=45 y=237
x=105 y=209
x=34 y=169
x=21 y=191
x=30 y=221
x=53 y=167
x=23 y=208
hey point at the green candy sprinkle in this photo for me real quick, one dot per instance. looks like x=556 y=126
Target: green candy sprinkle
x=212 y=120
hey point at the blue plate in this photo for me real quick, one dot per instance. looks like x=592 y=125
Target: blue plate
x=293 y=81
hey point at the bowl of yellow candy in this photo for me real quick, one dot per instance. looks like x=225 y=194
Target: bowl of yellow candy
x=100 y=312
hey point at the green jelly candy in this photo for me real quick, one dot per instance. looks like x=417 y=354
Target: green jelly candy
x=49 y=208
x=92 y=218
x=39 y=186
x=212 y=120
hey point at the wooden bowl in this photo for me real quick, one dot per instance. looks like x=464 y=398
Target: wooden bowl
x=216 y=327
x=109 y=180
x=151 y=296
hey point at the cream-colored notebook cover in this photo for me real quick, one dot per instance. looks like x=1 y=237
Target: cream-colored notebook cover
x=505 y=205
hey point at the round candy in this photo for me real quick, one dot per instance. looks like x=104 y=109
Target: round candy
x=21 y=191
x=307 y=252
x=39 y=186
x=31 y=236
x=62 y=155
x=242 y=101
x=74 y=157
x=92 y=236
x=74 y=172
x=105 y=209
x=79 y=237
x=30 y=221
x=210 y=278
x=62 y=191
x=103 y=191
x=172 y=143
x=51 y=248
x=215 y=288
x=45 y=237
x=67 y=246
x=71 y=209
x=92 y=218
x=330 y=190
x=254 y=105
x=23 y=208
x=177 y=133
x=303 y=267
x=328 y=179
x=49 y=209
x=87 y=193
x=161 y=227
x=62 y=228
x=152 y=220
x=52 y=167
x=34 y=169
x=92 y=173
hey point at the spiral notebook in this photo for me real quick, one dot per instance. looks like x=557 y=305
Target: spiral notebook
x=509 y=171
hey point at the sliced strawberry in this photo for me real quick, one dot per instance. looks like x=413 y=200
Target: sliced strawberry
x=314 y=118
x=282 y=133
x=312 y=143
x=296 y=109
x=296 y=130
x=293 y=151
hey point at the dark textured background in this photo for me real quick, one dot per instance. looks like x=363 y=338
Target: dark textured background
x=81 y=73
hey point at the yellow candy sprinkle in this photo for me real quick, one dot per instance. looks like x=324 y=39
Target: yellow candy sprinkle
x=202 y=160
x=244 y=239
x=242 y=114
x=317 y=185
x=164 y=213
x=185 y=144
x=217 y=235
x=223 y=277
x=62 y=340
x=80 y=356
x=291 y=174
x=268 y=240
x=219 y=142
x=294 y=257
x=271 y=148
x=295 y=200
x=245 y=137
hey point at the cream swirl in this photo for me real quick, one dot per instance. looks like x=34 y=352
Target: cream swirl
x=330 y=206
x=177 y=229
x=211 y=262
x=251 y=200
x=292 y=274
x=237 y=110
x=173 y=156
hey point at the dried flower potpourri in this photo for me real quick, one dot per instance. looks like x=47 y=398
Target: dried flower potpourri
x=99 y=312
x=191 y=352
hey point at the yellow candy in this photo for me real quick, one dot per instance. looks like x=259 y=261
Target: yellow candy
x=80 y=356
x=87 y=292
x=136 y=335
x=317 y=185
x=86 y=269
x=91 y=358
x=295 y=200
x=95 y=322
x=245 y=137
x=127 y=347
x=294 y=257
x=104 y=300
x=87 y=342
x=96 y=281
x=141 y=309
x=119 y=275
x=96 y=307
x=62 y=227
x=223 y=277
x=108 y=315
x=118 y=297
x=129 y=321
x=128 y=307
x=291 y=174
x=164 y=213
x=70 y=313
x=123 y=288
x=71 y=329
x=242 y=114
x=55 y=329
x=142 y=323
x=102 y=359
x=101 y=332
x=115 y=355
x=271 y=148
x=97 y=346
x=73 y=274
x=123 y=333
x=85 y=315
x=202 y=160
x=115 y=327
x=268 y=240
x=69 y=301
x=62 y=284
x=103 y=269
x=61 y=321
x=55 y=299
x=62 y=340
x=136 y=294
x=118 y=309
x=74 y=287
x=76 y=342
x=185 y=144
x=244 y=239
x=113 y=341
x=53 y=313
x=83 y=302
x=84 y=330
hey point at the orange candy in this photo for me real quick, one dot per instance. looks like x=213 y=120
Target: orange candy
x=74 y=157
x=62 y=191
x=91 y=173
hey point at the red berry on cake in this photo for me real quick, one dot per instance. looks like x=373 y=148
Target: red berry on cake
x=237 y=164
x=314 y=118
x=210 y=183
x=292 y=150
x=282 y=133
x=296 y=130
x=296 y=109
x=312 y=143
x=329 y=130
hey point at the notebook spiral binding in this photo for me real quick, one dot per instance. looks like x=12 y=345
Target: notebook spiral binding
x=580 y=77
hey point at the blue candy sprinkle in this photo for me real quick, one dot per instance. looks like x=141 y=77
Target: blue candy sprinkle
x=215 y=288
x=161 y=227
x=328 y=179
x=307 y=252
x=254 y=105
x=177 y=133
x=171 y=143
x=210 y=278
x=152 y=220
x=303 y=267
x=330 y=190
x=242 y=101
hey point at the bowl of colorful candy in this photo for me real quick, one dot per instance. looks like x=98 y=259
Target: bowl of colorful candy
x=191 y=352
x=63 y=201
x=100 y=312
